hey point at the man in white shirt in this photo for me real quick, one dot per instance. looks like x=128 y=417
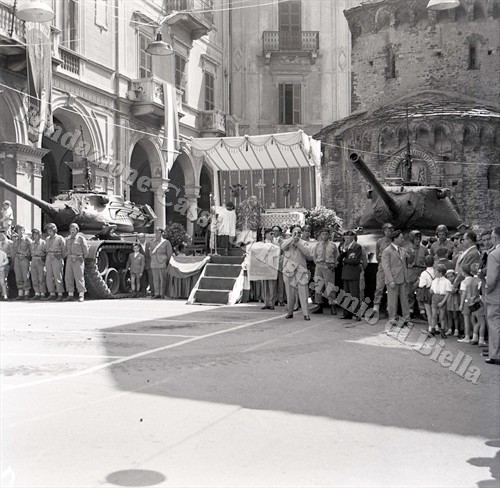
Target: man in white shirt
x=226 y=228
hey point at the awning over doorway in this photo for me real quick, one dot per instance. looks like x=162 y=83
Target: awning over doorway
x=273 y=151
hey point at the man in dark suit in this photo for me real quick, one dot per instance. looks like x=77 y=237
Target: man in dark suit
x=395 y=266
x=469 y=255
x=492 y=298
x=351 y=271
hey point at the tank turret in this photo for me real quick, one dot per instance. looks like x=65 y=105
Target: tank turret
x=406 y=205
x=95 y=213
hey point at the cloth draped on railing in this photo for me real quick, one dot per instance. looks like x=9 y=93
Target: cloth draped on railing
x=183 y=273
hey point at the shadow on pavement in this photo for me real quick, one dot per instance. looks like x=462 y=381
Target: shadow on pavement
x=312 y=372
x=493 y=463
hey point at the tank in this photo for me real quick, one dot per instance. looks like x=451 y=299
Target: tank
x=407 y=205
x=105 y=220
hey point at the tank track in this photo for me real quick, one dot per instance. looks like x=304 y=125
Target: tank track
x=95 y=279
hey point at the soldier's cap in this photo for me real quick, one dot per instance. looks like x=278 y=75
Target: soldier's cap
x=350 y=233
x=159 y=229
x=395 y=234
x=36 y=231
x=387 y=226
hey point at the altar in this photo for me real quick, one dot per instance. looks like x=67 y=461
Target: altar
x=282 y=170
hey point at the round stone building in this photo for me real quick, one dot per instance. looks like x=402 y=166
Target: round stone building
x=442 y=69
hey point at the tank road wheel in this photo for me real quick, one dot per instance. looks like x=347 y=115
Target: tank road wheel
x=120 y=256
x=112 y=280
x=93 y=281
x=125 y=285
x=102 y=262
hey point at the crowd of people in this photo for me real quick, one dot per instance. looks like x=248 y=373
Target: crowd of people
x=453 y=283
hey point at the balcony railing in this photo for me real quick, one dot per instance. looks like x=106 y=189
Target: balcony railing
x=213 y=121
x=69 y=61
x=6 y=18
x=197 y=8
x=275 y=41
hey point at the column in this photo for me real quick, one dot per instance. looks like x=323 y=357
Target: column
x=192 y=193
x=159 y=186
x=22 y=167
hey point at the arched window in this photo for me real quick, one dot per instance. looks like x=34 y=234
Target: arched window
x=473 y=56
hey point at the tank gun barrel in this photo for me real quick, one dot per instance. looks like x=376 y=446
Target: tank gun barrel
x=46 y=207
x=367 y=174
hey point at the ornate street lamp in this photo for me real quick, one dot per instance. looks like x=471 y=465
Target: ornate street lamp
x=159 y=47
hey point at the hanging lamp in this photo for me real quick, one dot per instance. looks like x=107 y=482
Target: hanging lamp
x=442 y=4
x=34 y=11
x=159 y=47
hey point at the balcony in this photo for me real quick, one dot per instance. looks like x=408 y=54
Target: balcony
x=70 y=61
x=298 y=43
x=12 y=32
x=148 y=98
x=212 y=123
x=194 y=15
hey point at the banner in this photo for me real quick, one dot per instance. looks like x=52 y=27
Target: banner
x=39 y=54
x=262 y=261
x=186 y=266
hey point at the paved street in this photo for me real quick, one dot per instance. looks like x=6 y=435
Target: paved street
x=158 y=393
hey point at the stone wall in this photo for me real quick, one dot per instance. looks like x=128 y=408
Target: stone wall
x=400 y=47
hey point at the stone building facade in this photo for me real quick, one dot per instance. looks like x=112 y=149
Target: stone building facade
x=444 y=68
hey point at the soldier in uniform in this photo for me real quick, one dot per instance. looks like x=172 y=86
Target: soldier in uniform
x=416 y=265
x=388 y=229
x=76 y=250
x=21 y=252
x=38 y=255
x=147 y=276
x=442 y=241
x=54 y=263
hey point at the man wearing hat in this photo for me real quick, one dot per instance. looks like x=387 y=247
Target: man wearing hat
x=395 y=266
x=379 y=248
x=442 y=240
x=22 y=252
x=351 y=270
x=76 y=250
x=38 y=255
x=54 y=262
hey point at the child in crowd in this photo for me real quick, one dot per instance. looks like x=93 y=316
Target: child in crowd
x=135 y=265
x=465 y=300
x=477 y=308
x=424 y=289
x=453 y=308
x=180 y=250
x=442 y=258
x=441 y=289
x=4 y=263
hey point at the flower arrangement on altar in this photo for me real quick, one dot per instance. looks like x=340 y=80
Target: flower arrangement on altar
x=236 y=189
x=320 y=217
x=286 y=188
